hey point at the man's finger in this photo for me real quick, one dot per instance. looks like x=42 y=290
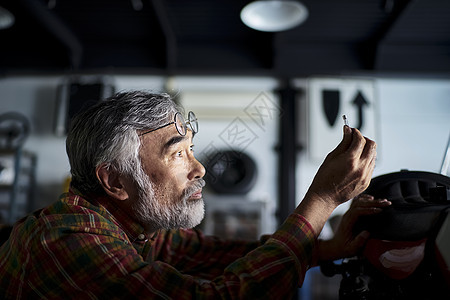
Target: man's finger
x=358 y=143
x=361 y=239
x=370 y=149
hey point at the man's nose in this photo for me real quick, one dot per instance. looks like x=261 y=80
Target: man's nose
x=197 y=170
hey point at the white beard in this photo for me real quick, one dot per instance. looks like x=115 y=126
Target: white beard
x=151 y=212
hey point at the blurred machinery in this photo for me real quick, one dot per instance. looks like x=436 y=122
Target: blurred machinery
x=76 y=93
x=17 y=168
x=408 y=253
x=229 y=213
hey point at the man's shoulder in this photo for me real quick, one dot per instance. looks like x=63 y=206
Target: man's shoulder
x=72 y=213
x=71 y=204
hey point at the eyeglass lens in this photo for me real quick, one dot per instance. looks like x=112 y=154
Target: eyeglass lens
x=180 y=124
x=193 y=122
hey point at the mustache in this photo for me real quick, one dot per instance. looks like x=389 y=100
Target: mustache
x=198 y=184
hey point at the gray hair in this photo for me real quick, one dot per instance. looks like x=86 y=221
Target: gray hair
x=106 y=133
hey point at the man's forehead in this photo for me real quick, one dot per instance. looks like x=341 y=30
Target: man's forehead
x=165 y=138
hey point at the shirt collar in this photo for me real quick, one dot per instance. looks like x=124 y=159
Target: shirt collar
x=134 y=231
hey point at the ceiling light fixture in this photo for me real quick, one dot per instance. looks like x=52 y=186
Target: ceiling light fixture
x=274 y=15
x=6 y=18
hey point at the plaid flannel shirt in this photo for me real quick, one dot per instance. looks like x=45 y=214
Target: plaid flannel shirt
x=79 y=249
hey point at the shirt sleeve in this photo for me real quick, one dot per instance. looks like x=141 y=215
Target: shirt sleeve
x=100 y=265
x=193 y=253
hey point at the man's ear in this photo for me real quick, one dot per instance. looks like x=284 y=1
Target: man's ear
x=112 y=182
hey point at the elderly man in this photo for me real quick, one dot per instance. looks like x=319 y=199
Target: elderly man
x=124 y=230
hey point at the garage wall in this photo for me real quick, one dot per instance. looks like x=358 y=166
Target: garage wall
x=414 y=124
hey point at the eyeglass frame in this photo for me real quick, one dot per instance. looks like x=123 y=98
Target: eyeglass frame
x=192 y=118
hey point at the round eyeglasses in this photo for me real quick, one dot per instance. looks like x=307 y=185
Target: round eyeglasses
x=180 y=124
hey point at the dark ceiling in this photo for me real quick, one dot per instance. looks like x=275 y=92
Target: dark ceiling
x=207 y=37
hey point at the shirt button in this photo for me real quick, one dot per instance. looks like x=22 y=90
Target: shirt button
x=141 y=236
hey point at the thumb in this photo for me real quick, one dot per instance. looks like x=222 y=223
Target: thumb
x=360 y=239
x=346 y=140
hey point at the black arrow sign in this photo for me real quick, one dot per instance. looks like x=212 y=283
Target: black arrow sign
x=360 y=102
